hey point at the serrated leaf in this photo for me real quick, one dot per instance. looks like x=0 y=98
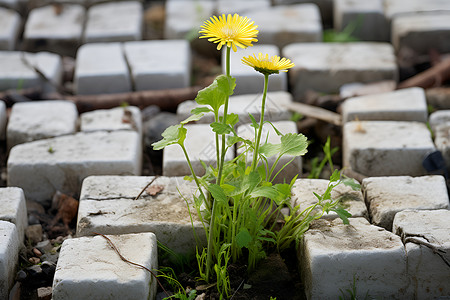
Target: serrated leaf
x=217 y=193
x=172 y=135
x=335 y=176
x=200 y=109
x=220 y=128
x=269 y=150
x=216 y=93
x=293 y=144
x=226 y=84
x=343 y=214
x=243 y=238
x=232 y=119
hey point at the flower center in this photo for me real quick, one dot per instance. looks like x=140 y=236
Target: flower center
x=228 y=32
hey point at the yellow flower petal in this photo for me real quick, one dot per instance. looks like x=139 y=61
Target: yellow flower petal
x=266 y=65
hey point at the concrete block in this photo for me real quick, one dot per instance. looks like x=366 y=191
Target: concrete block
x=156 y=65
x=43 y=167
x=13 y=209
x=334 y=255
x=10 y=23
x=442 y=141
x=401 y=105
x=240 y=7
x=303 y=195
x=286 y=24
x=428 y=273
x=366 y=15
x=119 y=118
x=326 y=67
x=184 y=17
x=3 y=120
x=386 y=196
x=325 y=6
x=114 y=22
x=108 y=206
x=268 y=134
x=16 y=73
x=422 y=32
x=9 y=256
x=249 y=81
x=55 y=28
x=356 y=89
x=101 y=69
x=386 y=148
x=30 y=121
x=14 y=4
x=438 y=118
x=394 y=8
x=242 y=105
x=200 y=146
x=99 y=273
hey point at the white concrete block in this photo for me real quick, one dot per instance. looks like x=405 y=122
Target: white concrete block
x=438 y=118
x=114 y=22
x=16 y=73
x=55 y=28
x=386 y=148
x=401 y=105
x=249 y=81
x=13 y=209
x=366 y=15
x=43 y=167
x=3 y=120
x=9 y=254
x=428 y=273
x=326 y=67
x=107 y=206
x=442 y=141
x=422 y=32
x=268 y=134
x=325 y=6
x=394 y=8
x=156 y=65
x=30 y=121
x=240 y=7
x=386 y=196
x=10 y=23
x=200 y=146
x=303 y=195
x=285 y=24
x=99 y=273
x=101 y=69
x=333 y=255
x=184 y=17
x=242 y=105
x=119 y=118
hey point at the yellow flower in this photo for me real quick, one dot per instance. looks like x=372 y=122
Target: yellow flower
x=231 y=31
x=266 y=65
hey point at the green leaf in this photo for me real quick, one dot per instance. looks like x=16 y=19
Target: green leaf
x=226 y=84
x=335 y=176
x=293 y=144
x=351 y=183
x=232 y=119
x=200 y=109
x=284 y=189
x=220 y=128
x=172 y=135
x=269 y=150
x=192 y=118
x=243 y=238
x=265 y=191
x=254 y=123
x=274 y=128
x=217 y=193
x=228 y=188
x=343 y=214
x=217 y=92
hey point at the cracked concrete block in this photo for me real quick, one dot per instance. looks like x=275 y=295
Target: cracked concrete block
x=119 y=118
x=108 y=206
x=13 y=209
x=99 y=273
x=9 y=255
x=10 y=23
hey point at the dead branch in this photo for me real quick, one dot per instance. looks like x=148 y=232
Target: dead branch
x=316 y=112
x=433 y=248
x=432 y=77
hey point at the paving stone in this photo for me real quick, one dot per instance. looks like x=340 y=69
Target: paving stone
x=439 y=117
x=442 y=141
x=30 y=121
x=14 y=4
x=13 y=209
x=428 y=272
x=43 y=167
x=366 y=15
x=9 y=255
x=325 y=67
x=240 y=7
x=285 y=24
x=268 y=134
x=200 y=147
x=401 y=105
x=386 y=148
x=88 y=268
x=10 y=23
x=333 y=256
x=249 y=81
x=422 y=32
x=107 y=206
x=54 y=28
x=101 y=69
x=386 y=196
x=325 y=6
x=242 y=105
x=16 y=74
x=114 y=22
x=393 y=8
x=162 y=64
x=3 y=120
x=303 y=195
x=119 y=118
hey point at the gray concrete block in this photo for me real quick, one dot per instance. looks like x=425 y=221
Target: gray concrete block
x=119 y=118
x=114 y=22
x=394 y=8
x=428 y=273
x=401 y=105
x=13 y=209
x=101 y=69
x=9 y=254
x=3 y=120
x=108 y=206
x=326 y=67
x=386 y=196
x=386 y=148
x=30 y=121
x=325 y=6
x=43 y=167
x=438 y=118
x=99 y=273
x=240 y=7
x=442 y=140
x=333 y=256
x=10 y=23
x=156 y=65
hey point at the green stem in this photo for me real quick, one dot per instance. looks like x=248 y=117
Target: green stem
x=192 y=171
x=261 y=122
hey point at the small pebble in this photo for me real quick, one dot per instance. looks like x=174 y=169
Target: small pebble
x=37 y=252
x=44 y=293
x=34 y=260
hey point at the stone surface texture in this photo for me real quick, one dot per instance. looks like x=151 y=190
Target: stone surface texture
x=9 y=254
x=9 y=28
x=13 y=209
x=3 y=120
x=240 y=7
x=394 y=8
x=119 y=118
